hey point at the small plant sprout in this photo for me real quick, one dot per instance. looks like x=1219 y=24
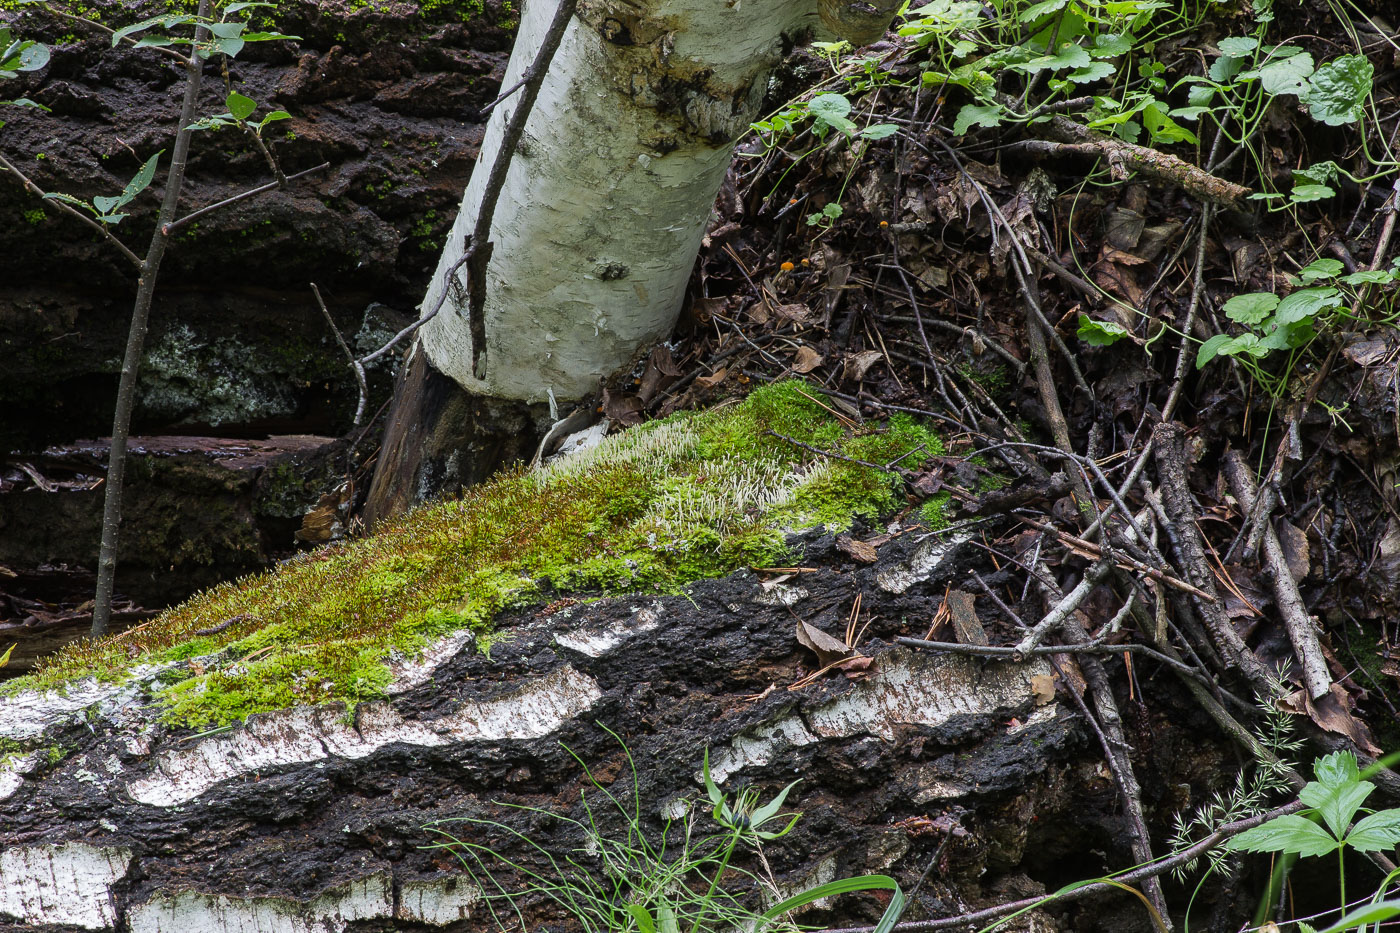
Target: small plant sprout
x=1333 y=798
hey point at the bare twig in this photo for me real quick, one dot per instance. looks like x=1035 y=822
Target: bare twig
x=136 y=339
x=1170 y=444
x=355 y=364
x=174 y=225
x=1302 y=631
x=71 y=211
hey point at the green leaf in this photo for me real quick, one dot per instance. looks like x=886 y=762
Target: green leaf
x=1211 y=349
x=1251 y=308
x=1304 y=194
x=1287 y=75
x=710 y=787
x=1034 y=12
x=266 y=36
x=1111 y=45
x=1361 y=916
x=1093 y=72
x=241 y=107
x=1319 y=270
x=1290 y=834
x=146 y=42
x=226 y=30
x=273 y=117
x=1376 y=833
x=1237 y=46
x=1162 y=128
x=976 y=115
x=229 y=47
x=1367 y=277
x=830 y=110
x=830 y=889
x=766 y=812
x=249 y=4
x=1303 y=305
x=1319 y=173
x=1100 y=333
x=1337 y=92
x=643 y=919
x=167 y=21
x=1336 y=805
x=1069 y=55
x=878 y=131
x=1224 y=69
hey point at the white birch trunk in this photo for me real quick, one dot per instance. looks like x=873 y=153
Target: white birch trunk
x=606 y=201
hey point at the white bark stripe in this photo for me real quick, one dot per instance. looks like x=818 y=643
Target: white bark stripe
x=303 y=735
x=68 y=884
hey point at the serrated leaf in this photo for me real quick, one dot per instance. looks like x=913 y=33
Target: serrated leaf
x=1290 y=834
x=879 y=131
x=239 y=106
x=1319 y=173
x=1094 y=72
x=1210 y=349
x=1237 y=46
x=1100 y=333
x=829 y=106
x=1320 y=269
x=1367 y=277
x=1111 y=45
x=1224 y=69
x=1304 y=304
x=1251 y=308
x=1376 y=833
x=1035 y=11
x=976 y=115
x=1069 y=55
x=1336 y=805
x=1337 y=92
x=1287 y=75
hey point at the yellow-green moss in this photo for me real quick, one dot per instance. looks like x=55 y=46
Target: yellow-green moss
x=649 y=510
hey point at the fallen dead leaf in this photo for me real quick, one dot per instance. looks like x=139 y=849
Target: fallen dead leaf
x=858 y=551
x=1333 y=713
x=712 y=380
x=827 y=648
x=858 y=364
x=1042 y=688
x=1295 y=548
x=806 y=359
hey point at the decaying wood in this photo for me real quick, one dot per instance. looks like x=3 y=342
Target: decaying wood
x=1302 y=630
x=1169 y=442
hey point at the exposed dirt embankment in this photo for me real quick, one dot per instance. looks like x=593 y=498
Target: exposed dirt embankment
x=385 y=92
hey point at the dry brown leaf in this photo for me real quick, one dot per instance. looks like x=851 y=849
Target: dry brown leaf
x=1333 y=713
x=623 y=409
x=712 y=380
x=1295 y=548
x=828 y=649
x=806 y=359
x=858 y=364
x=795 y=312
x=963 y=606
x=1042 y=688
x=856 y=550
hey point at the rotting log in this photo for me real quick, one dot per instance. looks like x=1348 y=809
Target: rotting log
x=312 y=819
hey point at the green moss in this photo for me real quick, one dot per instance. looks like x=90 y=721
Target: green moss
x=649 y=510
x=35 y=216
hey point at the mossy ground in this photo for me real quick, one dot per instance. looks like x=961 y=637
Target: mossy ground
x=649 y=510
